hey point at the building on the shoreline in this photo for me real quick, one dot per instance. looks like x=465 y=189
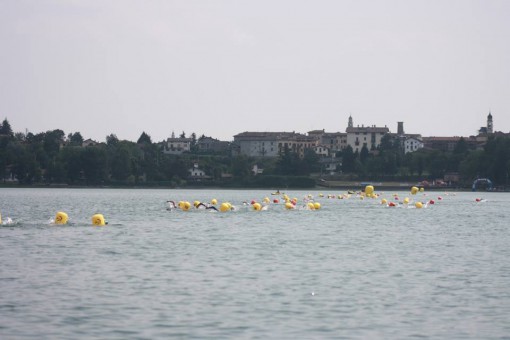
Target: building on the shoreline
x=408 y=142
x=88 y=142
x=412 y=144
x=197 y=174
x=369 y=136
x=489 y=128
x=448 y=144
x=177 y=146
x=272 y=144
x=213 y=145
x=258 y=144
x=334 y=141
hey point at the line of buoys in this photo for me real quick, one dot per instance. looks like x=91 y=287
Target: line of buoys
x=61 y=218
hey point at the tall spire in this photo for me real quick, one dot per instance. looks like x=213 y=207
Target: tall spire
x=350 y=122
x=489 y=123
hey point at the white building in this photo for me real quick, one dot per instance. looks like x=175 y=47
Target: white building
x=176 y=146
x=369 y=136
x=322 y=150
x=412 y=144
x=256 y=170
x=197 y=174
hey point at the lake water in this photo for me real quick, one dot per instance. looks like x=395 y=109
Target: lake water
x=353 y=269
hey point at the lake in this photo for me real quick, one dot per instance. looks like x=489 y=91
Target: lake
x=353 y=269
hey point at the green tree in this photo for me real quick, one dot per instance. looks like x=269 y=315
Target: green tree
x=348 y=160
x=5 y=128
x=363 y=155
x=75 y=139
x=93 y=161
x=240 y=166
x=144 y=139
x=111 y=140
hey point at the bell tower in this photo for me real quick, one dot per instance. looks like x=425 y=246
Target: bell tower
x=350 y=122
x=489 y=123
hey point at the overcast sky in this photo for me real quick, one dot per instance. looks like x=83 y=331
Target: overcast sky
x=223 y=67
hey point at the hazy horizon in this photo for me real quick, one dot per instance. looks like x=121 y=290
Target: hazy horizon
x=224 y=67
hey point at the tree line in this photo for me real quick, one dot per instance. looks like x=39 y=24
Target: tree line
x=52 y=157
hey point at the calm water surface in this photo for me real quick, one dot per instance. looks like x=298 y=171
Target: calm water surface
x=353 y=269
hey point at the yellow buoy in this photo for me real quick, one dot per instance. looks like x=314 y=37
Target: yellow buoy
x=422 y=189
x=98 y=220
x=224 y=207
x=418 y=205
x=185 y=205
x=317 y=205
x=61 y=218
x=369 y=190
x=414 y=190
x=214 y=201
x=257 y=206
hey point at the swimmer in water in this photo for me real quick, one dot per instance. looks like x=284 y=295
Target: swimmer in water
x=171 y=205
x=7 y=221
x=207 y=206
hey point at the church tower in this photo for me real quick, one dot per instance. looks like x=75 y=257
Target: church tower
x=489 y=123
x=350 y=122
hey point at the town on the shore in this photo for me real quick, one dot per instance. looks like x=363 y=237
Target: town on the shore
x=362 y=152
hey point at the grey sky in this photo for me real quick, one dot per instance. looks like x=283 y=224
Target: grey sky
x=223 y=67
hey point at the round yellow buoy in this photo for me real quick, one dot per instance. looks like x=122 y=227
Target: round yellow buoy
x=214 y=201
x=257 y=206
x=406 y=200
x=289 y=205
x=418 y=205
x=384 y=201
x=414 y=190
x=422 y=189
x=369 y=190
x=98 y=220
x=185 y=206
x=317 y=205
x=224 y=207
x=61 y=218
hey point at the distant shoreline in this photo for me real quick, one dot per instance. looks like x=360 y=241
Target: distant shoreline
x=354 y=186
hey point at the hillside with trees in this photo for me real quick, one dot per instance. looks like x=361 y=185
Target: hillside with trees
x=54 y=158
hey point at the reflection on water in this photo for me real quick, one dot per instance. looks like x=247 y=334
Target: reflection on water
x=354 y=268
